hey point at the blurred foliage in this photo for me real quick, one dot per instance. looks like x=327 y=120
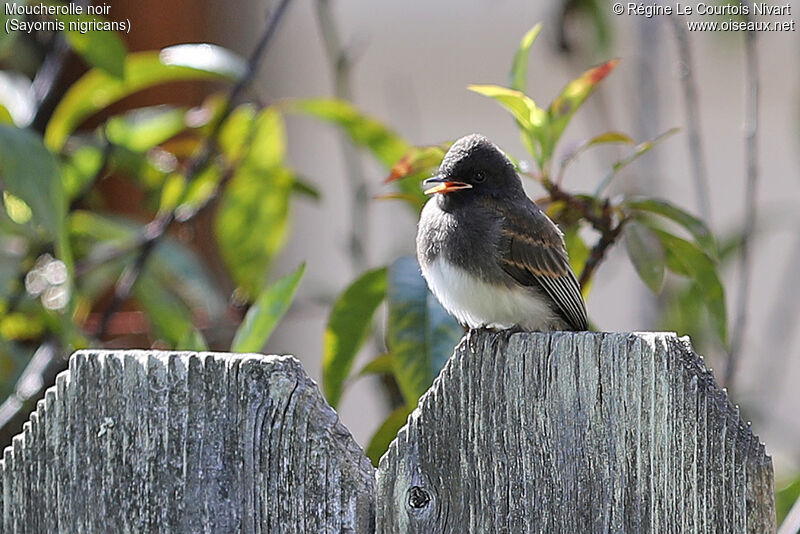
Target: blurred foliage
x=419 y=335
x=64 y=253
x=785 y=497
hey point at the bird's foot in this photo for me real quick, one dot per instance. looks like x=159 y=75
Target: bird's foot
x=516 y=329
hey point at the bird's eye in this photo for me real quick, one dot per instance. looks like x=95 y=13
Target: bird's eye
x=480 y=177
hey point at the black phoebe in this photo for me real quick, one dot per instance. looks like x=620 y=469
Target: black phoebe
x=489 y=254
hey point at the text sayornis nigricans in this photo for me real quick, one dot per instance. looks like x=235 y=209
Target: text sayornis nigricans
x=488 y=253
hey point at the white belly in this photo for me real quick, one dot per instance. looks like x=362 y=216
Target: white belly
x=478 y=304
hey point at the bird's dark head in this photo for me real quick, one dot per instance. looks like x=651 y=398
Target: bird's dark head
x=475 y=166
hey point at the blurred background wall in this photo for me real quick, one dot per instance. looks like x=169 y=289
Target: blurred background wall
x=411 y=63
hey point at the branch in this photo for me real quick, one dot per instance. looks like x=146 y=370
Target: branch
x=340 y=64
x=607 y=239
x=46 y=82
x=45 y=363
x=751 y=151
x=603 y=223
x=692 y=112
x=156 y=229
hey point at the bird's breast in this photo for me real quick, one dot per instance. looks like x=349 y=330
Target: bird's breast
x=478 y=303
x=467 y=237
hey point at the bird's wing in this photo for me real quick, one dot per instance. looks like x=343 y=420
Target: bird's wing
x=533 y=253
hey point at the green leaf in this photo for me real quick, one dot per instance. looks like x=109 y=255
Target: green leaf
x=697 y=228
x=638 y=151
x=365 y=131
x=302 y=187
x=100 y=48
x=17 y=326
x=686 y=259
x=522 y=107
x=192 y=340
x=266 y=313
x=173 y=265
x=80 y=168
x=256 y=197
x=16 y=208
x=5 y=115
x=348 y=326
x=186 y=200
x=97 y=89
x=236 y=131
x=519 y=67
x=420 y=334
x=142 y=129
x=388 y=430
x=380 y=365
x=785 y=497
x=646 y=254
x=419 y=162
x=578 y=253
x=683 y=310
x=199 y=192
x=604 y=138
x=100 y=228
x=169 y=317
x=253 y=199
x=30 y=172
x=416 y=165
x=531 y=119
x=564 y=106
x=179 y=268
x=268 y=145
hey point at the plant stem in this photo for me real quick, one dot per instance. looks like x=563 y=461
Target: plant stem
x=359 y=192
x=155 y=230
x=751 y=161
x=598 y=252
x=692 y=113
x=603 y=223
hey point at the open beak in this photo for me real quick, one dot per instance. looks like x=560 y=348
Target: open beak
x=442 y=185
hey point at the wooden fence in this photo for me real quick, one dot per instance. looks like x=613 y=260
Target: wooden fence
x=549 y=432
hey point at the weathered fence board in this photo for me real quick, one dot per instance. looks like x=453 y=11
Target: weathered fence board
x=545 y=432
x=145 y=441
x=562 y=432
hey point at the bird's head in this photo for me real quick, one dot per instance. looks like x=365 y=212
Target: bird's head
x=474 y=166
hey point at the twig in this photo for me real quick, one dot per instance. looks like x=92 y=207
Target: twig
x=603 y=223
x=692 y=112
x=751 y=150
x=45 y=83
x=340 y=65
x=156 y=229
x=600 y=223
x=598 y=252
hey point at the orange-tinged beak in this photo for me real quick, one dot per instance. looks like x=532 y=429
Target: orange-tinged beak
x=444 y=186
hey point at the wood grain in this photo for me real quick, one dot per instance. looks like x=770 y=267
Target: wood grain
x=148 y=441
x=564 y=432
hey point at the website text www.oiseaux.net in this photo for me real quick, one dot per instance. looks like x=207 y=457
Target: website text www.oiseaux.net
x=718 y=17
x=731 y=25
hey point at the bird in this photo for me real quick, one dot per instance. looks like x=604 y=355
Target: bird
x=488 y=253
